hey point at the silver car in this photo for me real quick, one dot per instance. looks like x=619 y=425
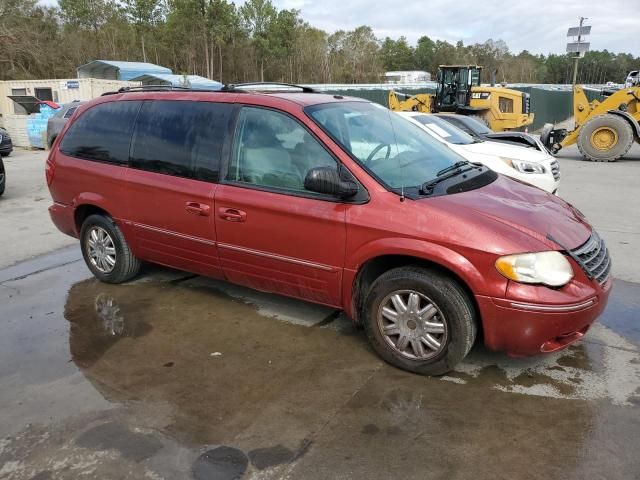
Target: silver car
x=55 y=123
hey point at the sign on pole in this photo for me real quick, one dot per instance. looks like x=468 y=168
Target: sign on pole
x=576 y=47
x=579 y=48
x=575 y=31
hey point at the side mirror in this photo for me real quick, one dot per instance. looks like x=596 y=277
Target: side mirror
x=326 y=180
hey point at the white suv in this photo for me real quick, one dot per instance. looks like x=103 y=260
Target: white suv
x=532 y=166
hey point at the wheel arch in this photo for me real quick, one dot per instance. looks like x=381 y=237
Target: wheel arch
x=83 y=211
x=635 y=126
x=431 y=256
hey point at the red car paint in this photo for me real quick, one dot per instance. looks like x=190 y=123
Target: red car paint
x=313 y=250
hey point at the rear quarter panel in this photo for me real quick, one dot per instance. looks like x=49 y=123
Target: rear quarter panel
x=78 y=182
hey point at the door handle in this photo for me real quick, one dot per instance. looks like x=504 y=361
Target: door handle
x=200 y=209
x=232 y=215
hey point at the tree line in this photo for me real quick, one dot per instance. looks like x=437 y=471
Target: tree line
x=255 y=41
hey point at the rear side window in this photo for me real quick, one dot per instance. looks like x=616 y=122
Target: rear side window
x=69 y=112
x=180 y=138
x=102 y=133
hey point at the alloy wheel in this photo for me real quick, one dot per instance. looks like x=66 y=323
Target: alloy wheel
x=412 y=324
x=101 y=249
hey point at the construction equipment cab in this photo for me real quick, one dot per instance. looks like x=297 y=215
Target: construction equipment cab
x=454 y=88
x=459 y=91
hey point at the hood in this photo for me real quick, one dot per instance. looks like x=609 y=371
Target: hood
x=507 y=209
x=508 y=151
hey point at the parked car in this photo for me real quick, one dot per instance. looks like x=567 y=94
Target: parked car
x=62 y=116
x=481 y=131
x=6 y=145
x=531 y=166
x=3 y=177
x=333 y=200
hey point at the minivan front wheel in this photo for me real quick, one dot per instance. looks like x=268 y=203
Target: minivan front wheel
x=106 y=251
x=420 y=320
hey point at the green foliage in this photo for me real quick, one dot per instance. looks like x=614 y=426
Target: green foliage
x=255 y=41
x=397 y=54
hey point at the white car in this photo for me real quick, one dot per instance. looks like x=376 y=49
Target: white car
x=532 y=166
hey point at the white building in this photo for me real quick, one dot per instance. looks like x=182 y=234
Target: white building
x=408 y=76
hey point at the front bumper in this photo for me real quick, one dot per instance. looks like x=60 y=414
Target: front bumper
x=523 y=328
x=6 y=147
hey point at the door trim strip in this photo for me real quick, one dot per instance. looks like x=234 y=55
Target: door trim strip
x=175 y=234
x=283 y=258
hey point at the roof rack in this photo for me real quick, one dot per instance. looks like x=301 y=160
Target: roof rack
x=148 y=88
x=237 y=87
x=243 y=86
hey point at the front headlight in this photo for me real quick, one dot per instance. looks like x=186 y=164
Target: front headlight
x=548 y=268
x=524 y=167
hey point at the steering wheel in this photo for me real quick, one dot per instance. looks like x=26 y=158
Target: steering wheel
x=376 y=150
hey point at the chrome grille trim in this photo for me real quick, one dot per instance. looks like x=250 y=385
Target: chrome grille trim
x=595 y=258
x=555 y=169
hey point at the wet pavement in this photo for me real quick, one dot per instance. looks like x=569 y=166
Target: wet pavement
x=175 y=376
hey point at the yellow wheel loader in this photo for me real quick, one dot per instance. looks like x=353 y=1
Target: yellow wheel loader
x=459 y=92
x=604 y=129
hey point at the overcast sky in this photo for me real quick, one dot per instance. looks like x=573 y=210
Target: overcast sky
x=538 y=26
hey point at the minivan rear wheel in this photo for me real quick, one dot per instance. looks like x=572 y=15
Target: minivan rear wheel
x=106 y=251
x=420 y=320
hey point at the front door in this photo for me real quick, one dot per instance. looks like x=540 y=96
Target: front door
x=175 y=158
x=273 y=235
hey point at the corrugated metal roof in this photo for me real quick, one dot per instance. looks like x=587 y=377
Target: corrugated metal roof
x=193 y=81
x=116 y=70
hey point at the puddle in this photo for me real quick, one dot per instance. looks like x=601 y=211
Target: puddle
x=623 y=310
x=208 y=355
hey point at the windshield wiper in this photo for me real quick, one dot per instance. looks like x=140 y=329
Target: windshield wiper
x=447 y=173
x=455 y=166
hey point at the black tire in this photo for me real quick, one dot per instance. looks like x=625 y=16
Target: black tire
x=5 y=154
x=3 y=177
x=455 y=310
x=126 y=264
x=615 y=123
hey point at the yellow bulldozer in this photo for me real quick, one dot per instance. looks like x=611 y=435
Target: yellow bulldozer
x=604 y=129
x=459 y=92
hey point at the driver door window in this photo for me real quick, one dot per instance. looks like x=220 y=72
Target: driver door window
x=273 y=150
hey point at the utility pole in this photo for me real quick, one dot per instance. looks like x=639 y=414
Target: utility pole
x=575 y=64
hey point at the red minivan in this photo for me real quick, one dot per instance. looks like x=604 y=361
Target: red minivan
x=333 y=200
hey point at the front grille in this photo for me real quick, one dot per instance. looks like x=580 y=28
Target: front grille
x=555 y=169
x=594 y=257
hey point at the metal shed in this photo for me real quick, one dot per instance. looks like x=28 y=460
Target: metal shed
x=193 y=81
x=116 y=70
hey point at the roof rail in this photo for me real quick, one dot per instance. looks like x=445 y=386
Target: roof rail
x=237 y=87
x=244 y=86
x=148 y=88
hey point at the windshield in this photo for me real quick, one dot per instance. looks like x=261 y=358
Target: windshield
x=444 y=130
x=394 y=150
x=476 y=125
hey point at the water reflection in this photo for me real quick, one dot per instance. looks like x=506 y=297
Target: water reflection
x=275 y=386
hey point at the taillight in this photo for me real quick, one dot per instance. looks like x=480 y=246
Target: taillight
x=49 y=170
